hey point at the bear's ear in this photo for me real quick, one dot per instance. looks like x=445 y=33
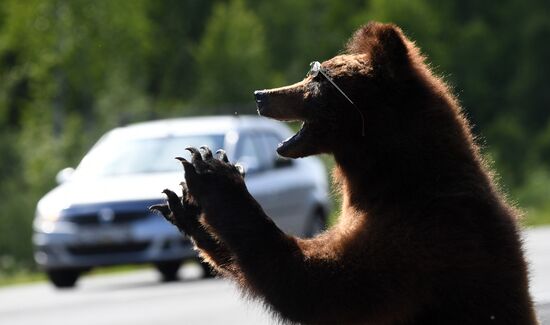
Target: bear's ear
x=384 y=43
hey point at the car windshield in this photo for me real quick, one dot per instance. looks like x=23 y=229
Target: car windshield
x=116 y=156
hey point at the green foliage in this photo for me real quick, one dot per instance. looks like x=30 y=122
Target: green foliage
x=231 y=57
x=70 y=70
x=15 y=216
x=177 y=27
x=533 y=195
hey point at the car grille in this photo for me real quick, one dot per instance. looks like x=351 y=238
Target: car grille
x=119 y=218
x=86 y=250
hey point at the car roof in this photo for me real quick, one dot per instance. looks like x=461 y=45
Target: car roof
x=198 y=125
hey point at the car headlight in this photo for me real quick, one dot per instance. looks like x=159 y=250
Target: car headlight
x=51 y=217
x=45 y=222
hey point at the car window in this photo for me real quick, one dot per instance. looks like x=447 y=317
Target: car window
x=119 y=156
x=247 y=149
x=250 y=152
x=268 y=144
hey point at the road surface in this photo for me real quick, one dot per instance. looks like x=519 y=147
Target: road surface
x=137 y=298
x=537 y=244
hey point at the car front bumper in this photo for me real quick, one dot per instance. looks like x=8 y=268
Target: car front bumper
x=73 y=246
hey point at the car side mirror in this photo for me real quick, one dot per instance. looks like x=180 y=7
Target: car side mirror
x=281 y=162
x=64 y=175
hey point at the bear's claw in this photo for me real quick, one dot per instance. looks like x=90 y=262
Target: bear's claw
x=198 y=162
x=207 y=153
x=162 y=208
x=181 y=159
x=165 y=210
x=195 y=154
x=187 y=166
x=241 y=170
x=222 y=156
x=174 y=202
x=202 y=161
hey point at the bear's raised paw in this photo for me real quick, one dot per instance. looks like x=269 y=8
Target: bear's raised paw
x=210 y=178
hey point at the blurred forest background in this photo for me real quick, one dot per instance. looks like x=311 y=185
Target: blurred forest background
x=71 y=70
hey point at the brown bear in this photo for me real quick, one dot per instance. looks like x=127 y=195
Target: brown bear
x=424 y=236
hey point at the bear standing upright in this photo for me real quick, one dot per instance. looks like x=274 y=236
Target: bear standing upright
x=424 y=236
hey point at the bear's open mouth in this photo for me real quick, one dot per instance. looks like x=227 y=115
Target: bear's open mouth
x=293 y=146
x=278 y=108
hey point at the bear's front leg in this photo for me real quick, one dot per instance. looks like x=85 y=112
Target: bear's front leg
x=229 y=210
x=184 y=213
x=305 y=281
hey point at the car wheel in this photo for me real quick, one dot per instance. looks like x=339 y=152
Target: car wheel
x=207 y=271
x=63 y=279
x=317 y=224
x=169 y=270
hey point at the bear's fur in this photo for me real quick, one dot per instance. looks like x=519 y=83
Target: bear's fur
x=424 y=236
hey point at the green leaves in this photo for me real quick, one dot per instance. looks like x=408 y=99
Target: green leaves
x=232 y=60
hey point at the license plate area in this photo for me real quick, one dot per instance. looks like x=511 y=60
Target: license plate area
x=104 y=234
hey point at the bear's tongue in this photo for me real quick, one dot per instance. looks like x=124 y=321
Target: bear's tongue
x=295 y=146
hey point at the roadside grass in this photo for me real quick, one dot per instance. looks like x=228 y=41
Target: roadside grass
x=536 y=217
x=20 y=277
x=24 y=276
x=533 y=198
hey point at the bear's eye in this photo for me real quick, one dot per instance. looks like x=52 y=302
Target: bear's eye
x=316 y=70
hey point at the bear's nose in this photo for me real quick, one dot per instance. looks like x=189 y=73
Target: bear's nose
x=260 y=96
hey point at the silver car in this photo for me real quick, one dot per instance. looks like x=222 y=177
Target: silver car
x=98 y=214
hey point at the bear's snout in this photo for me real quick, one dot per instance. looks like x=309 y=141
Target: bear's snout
x=261 y=98
x=283 y=103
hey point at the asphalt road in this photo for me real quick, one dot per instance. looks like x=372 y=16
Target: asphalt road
x=137 y=298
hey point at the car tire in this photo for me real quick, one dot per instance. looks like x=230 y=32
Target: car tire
x=169 y=270
x=63 y=279
x=207 y=271
x=317 y=224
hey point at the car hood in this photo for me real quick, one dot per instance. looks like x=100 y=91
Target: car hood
x=113 y=189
